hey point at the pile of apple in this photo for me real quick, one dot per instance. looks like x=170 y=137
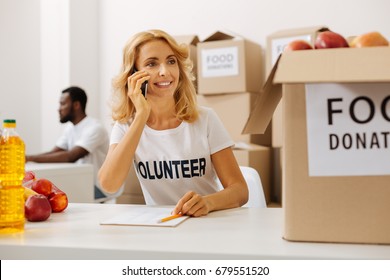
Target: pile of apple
x=42 y=198
x=328 y=39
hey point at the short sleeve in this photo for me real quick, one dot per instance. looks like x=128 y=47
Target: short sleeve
x=62 y=142
x=92 y=137
x=217 y=134
x=117 y=132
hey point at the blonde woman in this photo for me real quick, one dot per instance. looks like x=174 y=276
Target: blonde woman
x=177 y=148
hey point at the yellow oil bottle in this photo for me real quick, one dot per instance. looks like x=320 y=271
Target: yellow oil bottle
x=12 y=160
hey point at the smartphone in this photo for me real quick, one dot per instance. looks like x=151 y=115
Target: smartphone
x=144 y=86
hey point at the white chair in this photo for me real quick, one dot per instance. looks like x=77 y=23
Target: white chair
x=256 y=192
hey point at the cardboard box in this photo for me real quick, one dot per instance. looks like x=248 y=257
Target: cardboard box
x=276 y=175
x=276 y=43
x=258 y=157
x=336 y=151
x=191 y=41
x=233 y=110
x=229 y=64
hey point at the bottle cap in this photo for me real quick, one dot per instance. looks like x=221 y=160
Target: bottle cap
x=9 y=123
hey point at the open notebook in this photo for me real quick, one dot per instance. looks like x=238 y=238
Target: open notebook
x=145 y=216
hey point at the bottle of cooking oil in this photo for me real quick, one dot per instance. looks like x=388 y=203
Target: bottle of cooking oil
x=12 y=161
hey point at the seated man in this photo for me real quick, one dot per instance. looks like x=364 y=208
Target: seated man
x=84 y=139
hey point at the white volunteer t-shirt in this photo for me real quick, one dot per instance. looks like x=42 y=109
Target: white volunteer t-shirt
x=171 y=162
x=90 y=135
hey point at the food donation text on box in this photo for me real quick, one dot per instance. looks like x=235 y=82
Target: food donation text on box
x=348 y=129
x=220 y=62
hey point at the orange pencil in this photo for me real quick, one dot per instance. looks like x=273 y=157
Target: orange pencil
x=170 y=218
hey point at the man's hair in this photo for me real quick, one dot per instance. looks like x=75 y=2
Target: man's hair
x=77 y=94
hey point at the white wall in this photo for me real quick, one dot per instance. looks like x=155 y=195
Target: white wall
x=20 y=67
x=46 y=46
x=69 y=56
x=54 y=69
x=81 y=42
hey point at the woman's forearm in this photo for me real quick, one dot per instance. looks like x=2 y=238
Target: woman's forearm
x=120 y=157
x=230 y=197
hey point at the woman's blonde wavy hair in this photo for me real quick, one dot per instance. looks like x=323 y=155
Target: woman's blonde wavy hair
x=185 y=96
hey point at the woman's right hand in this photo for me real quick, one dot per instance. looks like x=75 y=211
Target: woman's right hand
x=134 y=92
x=192 y=204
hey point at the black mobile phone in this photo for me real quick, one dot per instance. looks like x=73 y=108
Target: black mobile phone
x=144 y=86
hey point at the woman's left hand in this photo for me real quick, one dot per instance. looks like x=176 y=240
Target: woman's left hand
x=192 y=204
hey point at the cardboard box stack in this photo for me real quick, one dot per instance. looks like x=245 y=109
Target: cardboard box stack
x=230 y=72
x=336 y=154
x=276 y=43
x=228 y=64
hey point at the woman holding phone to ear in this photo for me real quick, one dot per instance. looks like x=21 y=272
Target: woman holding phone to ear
x=177 y=148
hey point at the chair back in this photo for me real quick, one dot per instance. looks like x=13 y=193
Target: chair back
x=256 y=192
x=255 y=187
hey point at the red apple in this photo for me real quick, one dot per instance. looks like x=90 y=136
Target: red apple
x=330 y=39
x=37 y=208
x=29 y=177
x=42 y=186
x=58 y=199
x=297 y=45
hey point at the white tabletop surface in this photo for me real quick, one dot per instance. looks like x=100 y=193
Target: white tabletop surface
x=241 y=233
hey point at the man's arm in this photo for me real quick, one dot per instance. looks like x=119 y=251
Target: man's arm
x=59 y=155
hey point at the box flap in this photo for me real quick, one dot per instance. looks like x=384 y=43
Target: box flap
x=335 y=65
x=218 y=36
x=297 y=31
x=187 y=39
x=265 y=105
x=244 y=146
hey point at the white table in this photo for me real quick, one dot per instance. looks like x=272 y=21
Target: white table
x=76 y=180
x=241 y=233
